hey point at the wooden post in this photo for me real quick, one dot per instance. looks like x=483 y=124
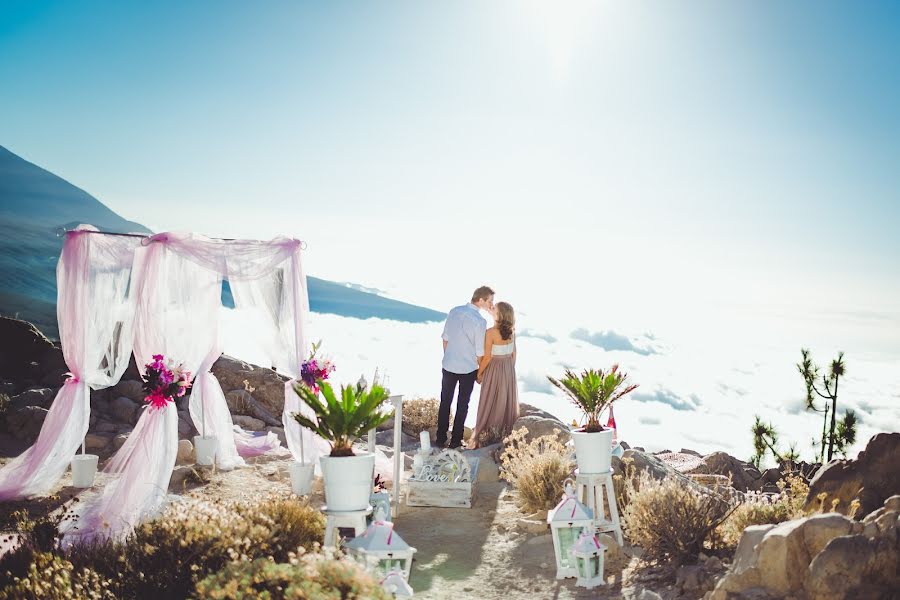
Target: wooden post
x=398 y=457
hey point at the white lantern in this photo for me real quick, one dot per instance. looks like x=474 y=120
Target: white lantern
x=396 y=585
x=588 y=557
x=567 y=522
x=380 y=544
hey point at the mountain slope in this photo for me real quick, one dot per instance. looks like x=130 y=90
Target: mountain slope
x=35 y=203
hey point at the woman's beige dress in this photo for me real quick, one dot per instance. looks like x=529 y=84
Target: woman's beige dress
x=498 y=405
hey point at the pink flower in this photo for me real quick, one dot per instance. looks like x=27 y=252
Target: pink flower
x=157 y=400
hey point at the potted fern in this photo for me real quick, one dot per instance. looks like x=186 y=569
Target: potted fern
x=593 y=391
x=340 y=421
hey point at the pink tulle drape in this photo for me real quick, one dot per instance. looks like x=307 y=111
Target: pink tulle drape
x=94 y=312
x=178 y=278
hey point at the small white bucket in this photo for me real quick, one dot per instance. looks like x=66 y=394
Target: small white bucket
x=84 y=468
x=205 y=449
x=302 y=477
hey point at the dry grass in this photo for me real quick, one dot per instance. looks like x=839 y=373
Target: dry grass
x=762 y=509
x=537 y=469
x=420 y=414
x=166 y=557
x=51 y=577
x=303 y=577
x=670 y=520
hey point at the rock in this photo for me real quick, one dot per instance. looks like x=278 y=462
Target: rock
x=648 y=595
x=106 y=427
x=97 y=441
x=488 y=471
x=243 y=403
x=185 y=426
x=55 y=378
x=120 y=440
x=772 y=475
x=641 y=461
x=266 y=386
x=248 y=423
x=22 y=346
x=743 y=475
x=42 y=397
x=538 y=426
x=870 y=479
x=133 y=390
x=26 y=423
x=691 y=452
x=386 y=438
x=125 y=410
x=822 y=556
x=533 y=526
x=527 y=410
x=185 y=453
x=689 y=579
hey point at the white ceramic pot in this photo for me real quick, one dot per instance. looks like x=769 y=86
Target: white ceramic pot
x=302 y=477
x=593 y=450
x=348 y=481
x=205 y=449
x=84 y=468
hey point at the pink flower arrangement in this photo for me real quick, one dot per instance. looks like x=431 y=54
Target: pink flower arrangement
x=313 y=369
x=164 y=381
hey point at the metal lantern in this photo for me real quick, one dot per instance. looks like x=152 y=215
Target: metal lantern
x=588 y=557
x=567 y=522
x=395 y=585
x=382 y=545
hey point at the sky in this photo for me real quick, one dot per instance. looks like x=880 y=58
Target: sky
x=721 y=177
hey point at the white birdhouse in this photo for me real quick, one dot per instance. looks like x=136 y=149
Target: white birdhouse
x=380 y=544
x=396 y=585
x=567 y=522
x=588 y=557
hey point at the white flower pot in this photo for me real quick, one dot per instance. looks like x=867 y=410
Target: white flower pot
x=348 y=481
x=84 y=468
x=205 y=449
x=593 y=450
x=302 y=477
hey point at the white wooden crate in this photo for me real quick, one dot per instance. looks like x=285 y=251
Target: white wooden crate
x=444 y=494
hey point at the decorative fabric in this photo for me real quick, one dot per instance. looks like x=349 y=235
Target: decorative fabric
x=95 y=312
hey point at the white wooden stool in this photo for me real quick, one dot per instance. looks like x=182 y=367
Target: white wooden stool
x=355 y=519
x=590 y=493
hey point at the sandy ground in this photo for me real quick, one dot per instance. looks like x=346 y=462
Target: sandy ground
x=481 y=552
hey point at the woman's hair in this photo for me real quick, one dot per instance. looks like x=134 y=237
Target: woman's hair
x=506 y=319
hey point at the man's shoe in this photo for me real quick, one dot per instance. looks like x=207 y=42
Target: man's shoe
x=454 y=445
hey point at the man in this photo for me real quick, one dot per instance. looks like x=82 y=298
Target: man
x=463 y=345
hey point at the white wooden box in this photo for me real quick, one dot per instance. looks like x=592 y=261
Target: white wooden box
x=444 y=494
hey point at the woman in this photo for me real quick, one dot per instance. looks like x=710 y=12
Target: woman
x=498 y=405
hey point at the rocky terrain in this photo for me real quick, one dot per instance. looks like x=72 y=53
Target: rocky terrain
x=850 y=549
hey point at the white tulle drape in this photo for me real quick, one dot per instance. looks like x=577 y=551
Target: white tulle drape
x=94 y=312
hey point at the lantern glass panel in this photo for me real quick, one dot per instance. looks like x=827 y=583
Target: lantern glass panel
x=567 y=538
x=594 y=563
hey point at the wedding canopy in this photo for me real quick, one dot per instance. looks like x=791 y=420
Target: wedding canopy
x=161 y=294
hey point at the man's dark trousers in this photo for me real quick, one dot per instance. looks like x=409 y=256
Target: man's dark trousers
x=448 y=387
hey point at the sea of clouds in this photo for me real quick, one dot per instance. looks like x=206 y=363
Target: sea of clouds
x=703 y=375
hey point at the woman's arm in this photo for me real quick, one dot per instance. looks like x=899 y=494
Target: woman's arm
x=488 y=344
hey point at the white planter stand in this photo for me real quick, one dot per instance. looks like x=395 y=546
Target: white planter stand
x=593 y=451
x=591 y=488
x=205 y=448
x=84 y=468
x=348 y=481
x=302 y=477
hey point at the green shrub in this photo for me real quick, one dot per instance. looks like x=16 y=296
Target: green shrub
x=311 y=577
x=670 y=519
x=51 y=577
x=537 y=469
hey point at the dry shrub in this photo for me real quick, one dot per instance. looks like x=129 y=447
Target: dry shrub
x=164 y=558
x=671 y=520
x=763 y=509
x=537 y=469
x=309 y=577
x=420 y=414
x=492 y=435
x=51 y=577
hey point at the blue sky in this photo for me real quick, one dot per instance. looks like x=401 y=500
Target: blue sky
x=718 y=149
x=694 y=189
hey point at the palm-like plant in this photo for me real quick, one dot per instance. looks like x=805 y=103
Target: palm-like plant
x=593 y=391
x=342 y=421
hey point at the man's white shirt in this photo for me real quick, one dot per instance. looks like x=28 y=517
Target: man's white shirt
x=464 y=333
